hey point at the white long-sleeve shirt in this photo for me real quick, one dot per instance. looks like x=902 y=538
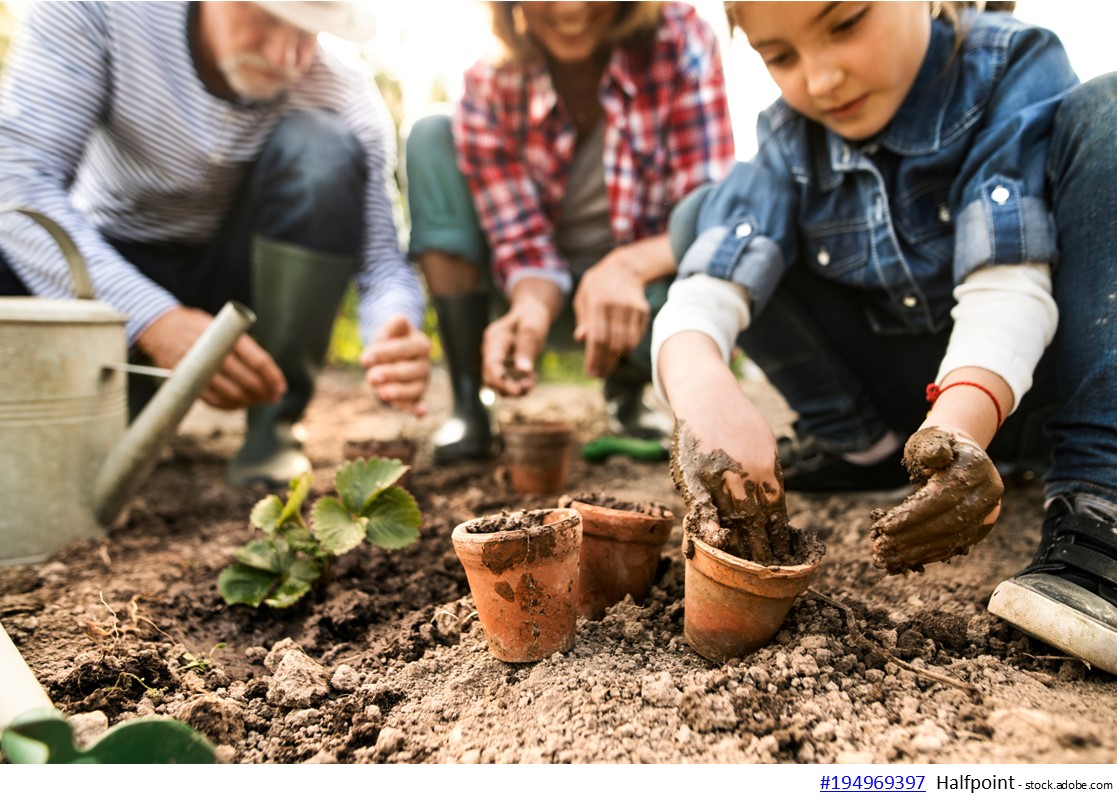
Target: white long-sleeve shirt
x=106 y=127
x=1005 y=317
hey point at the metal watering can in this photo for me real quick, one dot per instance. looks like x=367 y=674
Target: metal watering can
x=69 y=461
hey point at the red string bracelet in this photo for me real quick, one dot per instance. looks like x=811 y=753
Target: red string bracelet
x=932 y=391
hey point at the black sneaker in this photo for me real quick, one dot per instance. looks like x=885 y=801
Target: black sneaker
x=808 y=467
x=1066 y=597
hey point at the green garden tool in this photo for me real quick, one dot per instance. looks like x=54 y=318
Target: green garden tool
x=32 y=730
x=639 y=449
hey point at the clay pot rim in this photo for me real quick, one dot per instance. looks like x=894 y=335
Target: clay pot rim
x=461 y=535
x=569 y=502
x=720 y=557
x=556 y=426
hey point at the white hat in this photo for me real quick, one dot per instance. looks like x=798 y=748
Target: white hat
x=347 y=20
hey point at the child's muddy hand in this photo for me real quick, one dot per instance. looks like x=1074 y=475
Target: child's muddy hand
x=957 y=501
x=728 y=509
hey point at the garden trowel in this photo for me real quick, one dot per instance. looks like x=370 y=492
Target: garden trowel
x=32 y=730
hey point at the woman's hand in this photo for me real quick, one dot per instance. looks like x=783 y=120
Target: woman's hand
x=611 y=314
x=512 y=343
x=397 y=365
x=611 y=311
x=958 y=497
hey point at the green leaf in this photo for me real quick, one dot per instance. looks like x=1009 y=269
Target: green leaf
x=266 y=514
x=359 y=482
x=269 y=555
x=300 y=488
x=335 y=528
x=394 y=519
x=241 y=584
x=299 y=538
x=302 y=576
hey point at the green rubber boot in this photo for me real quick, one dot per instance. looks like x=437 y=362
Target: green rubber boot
x=296 y=295
x=467 y=434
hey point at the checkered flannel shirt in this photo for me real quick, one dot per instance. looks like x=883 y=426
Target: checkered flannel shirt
x=668 y=131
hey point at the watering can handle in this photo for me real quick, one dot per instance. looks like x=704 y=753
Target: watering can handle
x=83 y=288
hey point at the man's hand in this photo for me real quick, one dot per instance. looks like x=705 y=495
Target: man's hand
x=397 y=365
x=958 y=497
x=611 y=314
x=248 y=376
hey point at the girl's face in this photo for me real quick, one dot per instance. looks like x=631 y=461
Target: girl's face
x=847 y=66
x=570 y=32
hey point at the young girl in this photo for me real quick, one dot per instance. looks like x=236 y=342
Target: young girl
x=929 y=196
x=568 y=152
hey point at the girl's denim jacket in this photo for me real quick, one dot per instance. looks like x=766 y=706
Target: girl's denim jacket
x=956 y=181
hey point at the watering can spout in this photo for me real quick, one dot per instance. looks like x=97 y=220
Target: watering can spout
x=132 y=457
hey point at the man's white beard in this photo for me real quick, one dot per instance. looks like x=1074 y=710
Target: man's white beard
x=254 y=79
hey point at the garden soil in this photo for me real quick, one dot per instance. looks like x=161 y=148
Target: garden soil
x=388 y=664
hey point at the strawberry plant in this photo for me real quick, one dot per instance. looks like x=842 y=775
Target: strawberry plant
x=280 y=568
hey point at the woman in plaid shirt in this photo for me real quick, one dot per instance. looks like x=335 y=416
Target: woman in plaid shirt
x=557 y=171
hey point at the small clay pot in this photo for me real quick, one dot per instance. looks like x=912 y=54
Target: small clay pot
x=622 y=545
x=538 y=455
x=523 y=570
x=733 y=606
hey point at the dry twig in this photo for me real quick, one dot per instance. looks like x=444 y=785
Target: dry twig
x=865 y=642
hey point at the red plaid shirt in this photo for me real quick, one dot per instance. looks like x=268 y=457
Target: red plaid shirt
x=667 y=131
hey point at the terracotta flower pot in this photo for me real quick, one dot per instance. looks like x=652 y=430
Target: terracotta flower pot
x=523 y=570
x=733 y=606
x=538 y=456
x=622 y=545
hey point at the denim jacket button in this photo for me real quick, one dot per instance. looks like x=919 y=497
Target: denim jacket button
x=909 y=300
x=743 y=230
x=944 y=214
x=1000 y=195
x=822 y=257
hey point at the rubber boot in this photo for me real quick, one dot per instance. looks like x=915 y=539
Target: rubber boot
x=296 y=295
x=467 y=434
x=626 y=410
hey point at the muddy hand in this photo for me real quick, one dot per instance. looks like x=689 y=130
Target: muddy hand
x=957 y=501
x=726 y=509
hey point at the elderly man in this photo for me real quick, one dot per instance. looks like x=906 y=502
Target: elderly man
x=202 y=152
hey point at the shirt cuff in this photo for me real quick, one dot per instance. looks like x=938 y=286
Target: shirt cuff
x=717 y=308
x=1005 y=317
x=557 y=277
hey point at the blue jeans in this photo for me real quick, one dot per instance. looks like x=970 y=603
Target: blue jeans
x=849 y=384
x=444 y=219
x=307 y=188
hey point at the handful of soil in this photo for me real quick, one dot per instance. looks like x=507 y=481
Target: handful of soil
x=729 y=511
x=957 y=498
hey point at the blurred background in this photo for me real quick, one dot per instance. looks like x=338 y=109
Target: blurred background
x=422 y=47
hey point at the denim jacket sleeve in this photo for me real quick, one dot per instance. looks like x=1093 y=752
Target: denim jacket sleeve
x=999 y=197
x=745 y=228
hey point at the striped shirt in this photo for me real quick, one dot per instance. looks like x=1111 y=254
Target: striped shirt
x=668 y=131
x=106 y=127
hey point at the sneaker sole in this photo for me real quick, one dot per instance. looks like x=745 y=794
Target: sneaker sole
x=1057 y=623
